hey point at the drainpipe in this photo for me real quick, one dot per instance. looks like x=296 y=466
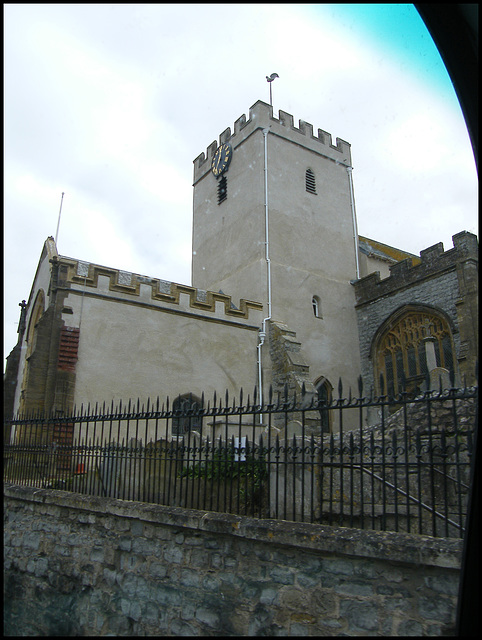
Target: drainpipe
x=355 y=226
x=262 y=331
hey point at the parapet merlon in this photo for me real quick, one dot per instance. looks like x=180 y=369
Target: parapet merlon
x=261 y=116
x=432 y=262
x=127 y=286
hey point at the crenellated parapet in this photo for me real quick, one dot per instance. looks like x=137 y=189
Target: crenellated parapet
x=261 y=117
x=125 y=286
x=434 y=261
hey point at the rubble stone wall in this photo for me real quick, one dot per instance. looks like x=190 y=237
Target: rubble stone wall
x=82 y=565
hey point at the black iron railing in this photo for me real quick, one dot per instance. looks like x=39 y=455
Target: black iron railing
x=408 y=472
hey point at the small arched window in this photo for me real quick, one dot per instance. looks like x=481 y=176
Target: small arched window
x=324 y=397
x=310 y=181
x=186 y=416
x=316 y=303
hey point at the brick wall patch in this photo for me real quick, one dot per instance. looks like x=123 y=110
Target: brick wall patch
x=68 y=348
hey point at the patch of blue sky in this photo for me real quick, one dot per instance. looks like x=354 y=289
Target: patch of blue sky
x=398 y=31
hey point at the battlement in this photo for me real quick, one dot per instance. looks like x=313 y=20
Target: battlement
x=433 y=262
x=143 y=289
x=261 y=117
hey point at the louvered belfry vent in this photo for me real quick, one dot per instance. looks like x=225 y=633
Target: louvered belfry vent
x=222 y=189
x=310 y=181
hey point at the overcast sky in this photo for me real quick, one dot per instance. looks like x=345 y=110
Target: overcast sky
x=111 y=104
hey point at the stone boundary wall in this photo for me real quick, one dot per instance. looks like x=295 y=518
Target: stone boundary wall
x=81 y=565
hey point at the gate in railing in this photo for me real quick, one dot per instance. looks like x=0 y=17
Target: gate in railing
x=410 y=472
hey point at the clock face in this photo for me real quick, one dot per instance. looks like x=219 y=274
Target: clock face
x=221 y=159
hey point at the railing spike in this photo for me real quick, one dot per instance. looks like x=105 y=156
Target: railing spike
x=452 y=377
x=340 y=388
x=360 y=385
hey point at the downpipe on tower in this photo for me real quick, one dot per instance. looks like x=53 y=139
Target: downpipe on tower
x=349 y=171
x=262 y=331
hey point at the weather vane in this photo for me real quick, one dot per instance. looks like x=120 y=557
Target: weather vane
x=270 y=80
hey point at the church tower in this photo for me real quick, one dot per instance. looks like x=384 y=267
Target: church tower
x=274 y=222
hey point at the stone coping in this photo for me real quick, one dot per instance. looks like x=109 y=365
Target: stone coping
x=411 y=549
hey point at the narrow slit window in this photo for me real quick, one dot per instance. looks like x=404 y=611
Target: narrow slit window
x=310 y=181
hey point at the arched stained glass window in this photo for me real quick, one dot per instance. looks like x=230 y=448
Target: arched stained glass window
x=401 y=352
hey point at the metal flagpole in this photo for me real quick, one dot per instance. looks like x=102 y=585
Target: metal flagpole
x=58 y=222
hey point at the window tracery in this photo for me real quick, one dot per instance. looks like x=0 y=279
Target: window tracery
x=401 y=352
x=188 y=406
